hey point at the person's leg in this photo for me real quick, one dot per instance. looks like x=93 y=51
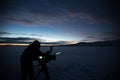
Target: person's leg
x=23 y=74
x=45 y=71
x=23 y=70
x=31 y=73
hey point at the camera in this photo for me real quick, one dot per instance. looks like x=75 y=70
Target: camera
x=47 y=57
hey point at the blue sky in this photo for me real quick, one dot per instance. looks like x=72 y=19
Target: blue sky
x=59 y=20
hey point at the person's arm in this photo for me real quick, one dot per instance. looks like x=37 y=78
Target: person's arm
x=49 y=51
x=51 y=48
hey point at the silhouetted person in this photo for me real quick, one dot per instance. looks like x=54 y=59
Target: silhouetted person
x=31 y=53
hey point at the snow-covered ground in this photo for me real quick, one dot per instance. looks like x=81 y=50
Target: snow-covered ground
x=74 y=63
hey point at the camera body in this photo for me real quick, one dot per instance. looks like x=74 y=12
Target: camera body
x=46 y=57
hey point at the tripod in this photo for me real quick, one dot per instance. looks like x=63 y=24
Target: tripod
x=43 y=69
x=37 y=75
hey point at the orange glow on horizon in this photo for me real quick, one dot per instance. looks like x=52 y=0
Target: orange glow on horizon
x=13 y=44
x=21 y=44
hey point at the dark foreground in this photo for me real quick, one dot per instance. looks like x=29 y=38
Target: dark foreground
x=75 y=63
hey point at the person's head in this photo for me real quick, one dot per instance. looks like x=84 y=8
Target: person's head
x=36 y=44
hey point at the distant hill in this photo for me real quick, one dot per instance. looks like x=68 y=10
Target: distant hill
x=99 y=43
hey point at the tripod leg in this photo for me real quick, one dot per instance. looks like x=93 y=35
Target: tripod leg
x=45 y=71
x=31 y=74
x=38 y=74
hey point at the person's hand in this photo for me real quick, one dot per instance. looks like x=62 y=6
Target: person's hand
x=51 y=48
x=48 y=52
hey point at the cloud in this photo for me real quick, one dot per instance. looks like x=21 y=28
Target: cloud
x=16 y=40
x=26 y=16
x=105 y=36
x=91 y=37
x=95 y=37
x=62 y=11
x=61 y=42
x=112 y=35
x=21 y=20
x=4 y=33
x=27 y=34
x=88 y=17
x=26 y=40
x=30 y=40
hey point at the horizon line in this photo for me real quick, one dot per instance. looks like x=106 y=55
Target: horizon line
x=26 y=44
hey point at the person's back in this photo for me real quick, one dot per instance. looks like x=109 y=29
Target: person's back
x=31 y=53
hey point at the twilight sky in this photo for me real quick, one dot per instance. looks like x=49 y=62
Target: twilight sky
x=62 y=21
